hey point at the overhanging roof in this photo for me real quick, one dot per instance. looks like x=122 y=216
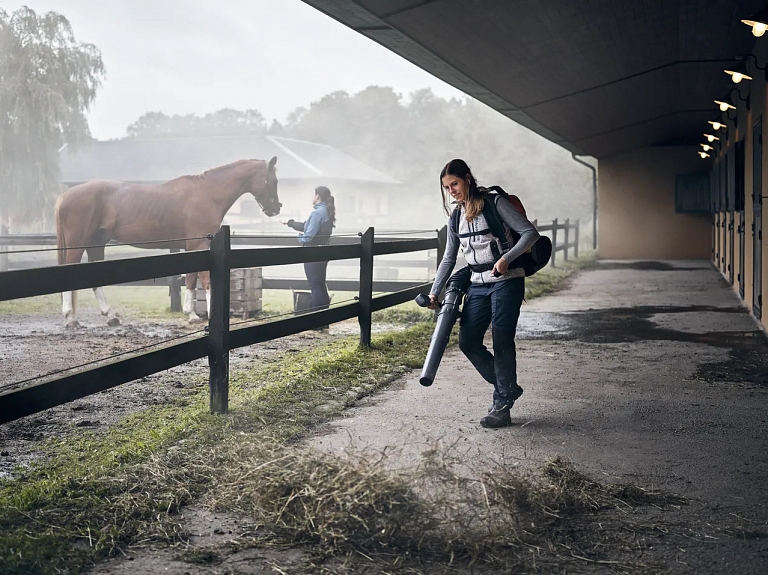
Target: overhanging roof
x=155 y=160
x=598 y=77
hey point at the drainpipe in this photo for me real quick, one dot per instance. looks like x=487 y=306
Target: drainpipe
x=594 y=198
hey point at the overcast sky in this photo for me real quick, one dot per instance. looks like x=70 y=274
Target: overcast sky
x=198 y=56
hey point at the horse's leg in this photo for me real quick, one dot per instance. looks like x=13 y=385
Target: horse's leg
x=205 y=282
x=188 y=308
x=68 y=298
x=97 y=254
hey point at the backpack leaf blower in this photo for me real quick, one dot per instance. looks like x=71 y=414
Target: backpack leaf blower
x=455 y=289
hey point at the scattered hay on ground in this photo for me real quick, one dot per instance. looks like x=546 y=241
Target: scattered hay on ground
x=430 y=517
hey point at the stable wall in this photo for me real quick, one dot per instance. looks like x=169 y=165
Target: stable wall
x=636 y=207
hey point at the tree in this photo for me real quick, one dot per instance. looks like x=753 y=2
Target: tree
x=47 y=82
x=412 y=139
x=225 y=122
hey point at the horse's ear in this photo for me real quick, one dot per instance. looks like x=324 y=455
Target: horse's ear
x=272 y=162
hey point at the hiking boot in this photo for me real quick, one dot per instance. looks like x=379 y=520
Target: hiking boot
x=515 y=396
x=497 y=417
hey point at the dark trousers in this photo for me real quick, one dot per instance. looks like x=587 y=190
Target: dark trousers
x=497 y=303
x=319 y=291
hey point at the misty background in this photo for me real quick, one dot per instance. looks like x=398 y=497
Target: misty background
x=281 y=68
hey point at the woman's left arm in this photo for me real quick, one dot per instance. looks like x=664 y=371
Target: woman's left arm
x=521 y=225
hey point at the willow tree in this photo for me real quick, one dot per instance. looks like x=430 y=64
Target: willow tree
x=48 y=80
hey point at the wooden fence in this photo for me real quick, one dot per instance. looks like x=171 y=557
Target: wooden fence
x=220 y=259
x=219 y=340
x=569 y=240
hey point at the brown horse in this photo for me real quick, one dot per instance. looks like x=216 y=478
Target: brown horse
x=91 y=214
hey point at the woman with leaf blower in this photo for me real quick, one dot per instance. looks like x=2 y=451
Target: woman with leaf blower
x=497 y=280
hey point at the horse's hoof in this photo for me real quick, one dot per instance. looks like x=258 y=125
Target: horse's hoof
x=113 y=321
x=74 y=324
x=195 y=319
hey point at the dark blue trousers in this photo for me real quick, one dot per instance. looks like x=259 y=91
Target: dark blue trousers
x=499 y=304
x=316 y=272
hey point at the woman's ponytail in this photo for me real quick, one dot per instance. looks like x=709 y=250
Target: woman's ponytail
x=330 y=204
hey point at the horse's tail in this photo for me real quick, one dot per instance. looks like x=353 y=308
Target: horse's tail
x=61 y=239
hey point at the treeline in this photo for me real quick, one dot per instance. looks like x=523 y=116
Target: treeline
x=411 y=139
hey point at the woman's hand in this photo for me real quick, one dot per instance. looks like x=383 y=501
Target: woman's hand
x=284 y=222
x=500 y=267
x=433 y=303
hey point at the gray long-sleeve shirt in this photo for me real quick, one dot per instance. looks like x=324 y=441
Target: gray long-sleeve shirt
x=477 y=248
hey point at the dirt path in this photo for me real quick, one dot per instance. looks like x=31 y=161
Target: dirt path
x=644 y=374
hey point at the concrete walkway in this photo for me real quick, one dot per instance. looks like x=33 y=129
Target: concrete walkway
x=643 y=372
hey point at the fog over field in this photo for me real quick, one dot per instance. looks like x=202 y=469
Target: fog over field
x=281 y=68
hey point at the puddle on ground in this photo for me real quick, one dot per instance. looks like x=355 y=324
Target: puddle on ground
x=730 y=328
x=649 y=266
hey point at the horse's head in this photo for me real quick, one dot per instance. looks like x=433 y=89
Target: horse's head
x=266 y=194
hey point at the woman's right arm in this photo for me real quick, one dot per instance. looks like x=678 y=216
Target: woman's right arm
x=298 y=226
x=446 y=264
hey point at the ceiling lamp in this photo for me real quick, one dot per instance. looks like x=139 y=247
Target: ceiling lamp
x=737 y=75
x=711 y=138
x=724 y=106
x=716 y=126
x=758 y=24
x=703 y=155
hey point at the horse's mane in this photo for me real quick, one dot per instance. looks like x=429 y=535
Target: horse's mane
x=216 y=170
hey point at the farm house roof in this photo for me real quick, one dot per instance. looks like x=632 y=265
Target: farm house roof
x=161 y=159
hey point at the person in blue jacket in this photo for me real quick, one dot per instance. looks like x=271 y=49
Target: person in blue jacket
x=316 y=231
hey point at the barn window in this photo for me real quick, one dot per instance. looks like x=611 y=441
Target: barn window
x=692 y=193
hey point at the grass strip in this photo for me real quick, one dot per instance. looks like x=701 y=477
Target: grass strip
x=99 y=489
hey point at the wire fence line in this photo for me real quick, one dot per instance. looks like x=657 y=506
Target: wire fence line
x=262 y=319
x=100 y=360
x=108 y=245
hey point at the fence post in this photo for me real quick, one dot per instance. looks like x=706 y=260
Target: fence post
x=3 y=250
x=174 y=288
x=366 y=287
x=442 y=240
x=218 y=322
x=567 y=229
x=576 y=241
x=554 y=240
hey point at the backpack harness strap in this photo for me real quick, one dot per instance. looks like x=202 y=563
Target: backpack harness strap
x=496 y=227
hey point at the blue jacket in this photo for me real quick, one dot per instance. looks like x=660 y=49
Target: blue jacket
x=316 y=231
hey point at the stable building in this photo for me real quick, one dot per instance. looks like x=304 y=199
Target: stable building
x=668 y=96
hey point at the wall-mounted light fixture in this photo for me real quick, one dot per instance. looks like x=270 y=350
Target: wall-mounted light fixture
x=716 y=126
x=706 y=147
x=724 y=106
x=739 y=74
x=743 y=68
x=703 y=155
x=711 y=137
x=758 y=22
